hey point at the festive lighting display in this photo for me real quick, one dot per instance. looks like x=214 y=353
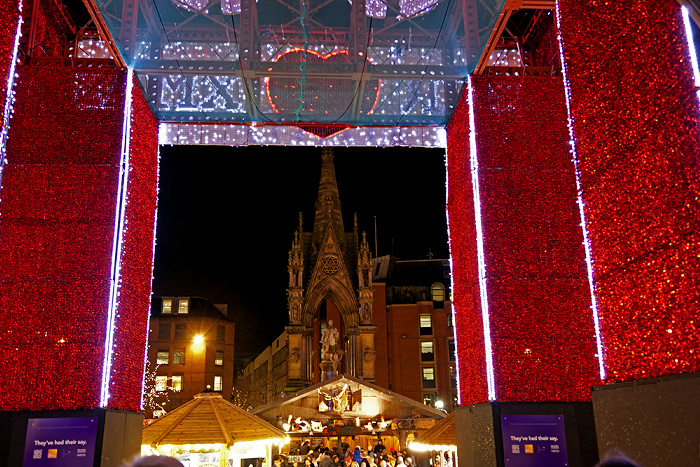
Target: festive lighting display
x=636 y=132
x=538 y=301
x=58 y=197
x=246 y=135
x=138 y=243
x=11 y=15
x=283 y=94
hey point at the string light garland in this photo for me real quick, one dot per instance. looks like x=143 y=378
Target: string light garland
x=637 y=140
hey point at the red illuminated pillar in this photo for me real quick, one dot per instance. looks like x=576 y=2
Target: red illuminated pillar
x=634 y=113
x=524 y=326
x=77 y=220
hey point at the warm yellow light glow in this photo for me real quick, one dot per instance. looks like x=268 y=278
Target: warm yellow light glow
x=431 y=447
x=198 y=342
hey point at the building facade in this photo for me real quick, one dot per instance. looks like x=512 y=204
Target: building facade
x=393 y=317
x=190 y=349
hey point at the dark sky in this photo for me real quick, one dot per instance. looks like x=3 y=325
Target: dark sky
x=227 y=216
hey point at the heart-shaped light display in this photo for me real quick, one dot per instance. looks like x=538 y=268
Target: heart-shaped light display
x=321 y=96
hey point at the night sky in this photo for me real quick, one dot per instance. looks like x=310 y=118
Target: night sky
x=227 y=216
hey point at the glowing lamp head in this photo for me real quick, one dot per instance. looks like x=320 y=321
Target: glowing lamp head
x=439 y=404
x=198 y=342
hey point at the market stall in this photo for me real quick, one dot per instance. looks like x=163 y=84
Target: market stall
x=211 y=432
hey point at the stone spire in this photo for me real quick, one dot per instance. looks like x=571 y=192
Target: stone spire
x=328 y=202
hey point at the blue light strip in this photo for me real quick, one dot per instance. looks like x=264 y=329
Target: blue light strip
x=474 y=165
x=119 y=227
x=10 y=91
x=691 y=47
x=581 y=209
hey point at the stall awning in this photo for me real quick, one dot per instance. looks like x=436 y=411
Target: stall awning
x=441 y=437
x=209 y=419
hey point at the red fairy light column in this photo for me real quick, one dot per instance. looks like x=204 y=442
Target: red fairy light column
x=635 y=126
x=77 y=210
x=524 y=327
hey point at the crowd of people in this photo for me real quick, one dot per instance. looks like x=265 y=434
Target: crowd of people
x=321 y=456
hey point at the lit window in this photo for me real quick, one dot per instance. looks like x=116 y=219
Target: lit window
x=451 y=349
x=179 y=357
x=450 y=320
x=180 y=331
x=453 y=376
x=183 y=306
x=429 y=399
x=427 y=354
x=177 y=383
x=429 y=377
x=167 y=306
x=219 y=358
x=163 y=357
x=218 y=383
x=161 y=383
x=438 y=291
x=426 y=325
x=220 y=333
x=164 y=332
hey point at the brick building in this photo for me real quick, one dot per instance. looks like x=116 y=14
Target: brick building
x=394 y=317
x=190 y=349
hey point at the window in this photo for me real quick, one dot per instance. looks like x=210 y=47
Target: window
x=179 y=357
x=219 y=358
x=450 y=320
x=183 y=306
x=161 y=383
x=218 y=383
x=453 y=376
x=177 y=383
x=167 y=306
x=451 y=350
x=163 y=357
x=427 y=354
x=438 y=291
x=426 y=325
x=429 y=399
x=180 y=331
x=429 y=377
x=164 y=332
x=220 y=333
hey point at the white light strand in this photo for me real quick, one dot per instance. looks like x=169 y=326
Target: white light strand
x=9 y=99
x=691 y=48
x=119 y=227
x=581 y=206
x=474 y=164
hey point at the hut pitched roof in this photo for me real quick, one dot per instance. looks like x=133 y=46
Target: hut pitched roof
x=441 y=436
x=208 y=419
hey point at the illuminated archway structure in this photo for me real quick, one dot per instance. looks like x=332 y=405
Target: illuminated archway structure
x=544 y=309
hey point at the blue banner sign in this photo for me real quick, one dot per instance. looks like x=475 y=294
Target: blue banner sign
x=534 y=441
x=60 y=442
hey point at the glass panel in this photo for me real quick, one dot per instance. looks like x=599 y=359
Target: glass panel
x=167 y=305
x=426 y=325
x=219 y=358
x=164 y=332
x=179 y=357
x=426 y=351
x=183 y=306
x=429 y=377
x=218 y=383
x=161 y=383
x=177 y=383
x=163 y=357
x=180 y=331
x=201 y=60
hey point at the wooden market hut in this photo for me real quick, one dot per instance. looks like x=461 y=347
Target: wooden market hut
x=209 y=430
x=440 y=441
x=345 y=409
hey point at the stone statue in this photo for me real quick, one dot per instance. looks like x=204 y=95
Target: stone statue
x=332 y=353
x=329 y=338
